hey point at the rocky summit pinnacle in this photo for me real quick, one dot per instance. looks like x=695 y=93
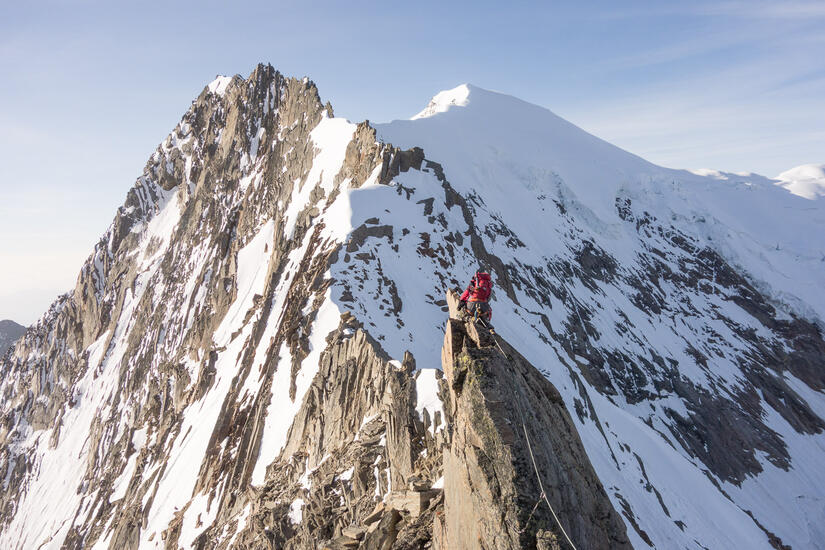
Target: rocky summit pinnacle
x=258 y=352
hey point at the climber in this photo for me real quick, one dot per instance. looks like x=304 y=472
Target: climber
x=473 y=301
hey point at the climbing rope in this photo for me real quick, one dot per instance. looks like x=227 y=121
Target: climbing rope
x=538 y=478
x=493 y=333
x=543 y=495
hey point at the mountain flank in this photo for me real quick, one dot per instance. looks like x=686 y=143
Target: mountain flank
x=10 y=332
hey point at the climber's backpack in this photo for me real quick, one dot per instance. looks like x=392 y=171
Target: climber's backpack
x=483 y=287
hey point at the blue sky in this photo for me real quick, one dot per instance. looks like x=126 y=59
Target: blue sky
x=90 y=88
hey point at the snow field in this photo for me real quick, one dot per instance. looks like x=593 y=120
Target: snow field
x=807 y=181
x=219 y=85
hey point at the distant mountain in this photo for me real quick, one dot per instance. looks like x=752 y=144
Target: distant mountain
x=10 y=332
x=252 y=355
x=806 y=181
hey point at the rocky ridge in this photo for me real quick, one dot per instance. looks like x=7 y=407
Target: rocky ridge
x=362 y=469
x=135 y=344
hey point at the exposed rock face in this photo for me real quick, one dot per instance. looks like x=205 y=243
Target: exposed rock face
x=10 y=332
x=512 y=436
x=164 y=307
x=358 y=463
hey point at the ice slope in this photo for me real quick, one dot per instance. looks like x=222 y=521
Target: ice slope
x=493 y=134
x=512 y=160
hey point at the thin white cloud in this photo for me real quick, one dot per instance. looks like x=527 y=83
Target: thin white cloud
x=765 y=10
x=743 y=9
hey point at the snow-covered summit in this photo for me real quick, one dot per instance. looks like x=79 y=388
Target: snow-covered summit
x=493 y=132
x=442 y=101
x=807 y=181
x=511 y=152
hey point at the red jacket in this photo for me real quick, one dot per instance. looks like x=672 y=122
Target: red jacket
x=479 y=289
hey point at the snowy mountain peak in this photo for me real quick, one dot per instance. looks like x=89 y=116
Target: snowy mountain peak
x=807 y=181
x=442 y=101
x=494 y=131
x=250 y=353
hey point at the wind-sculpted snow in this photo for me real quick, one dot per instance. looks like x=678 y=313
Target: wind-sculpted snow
x=176 y=397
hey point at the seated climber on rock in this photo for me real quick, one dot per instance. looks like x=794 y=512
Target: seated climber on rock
x=473 y=302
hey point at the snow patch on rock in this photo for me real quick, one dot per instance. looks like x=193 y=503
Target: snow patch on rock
x=219 y=85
